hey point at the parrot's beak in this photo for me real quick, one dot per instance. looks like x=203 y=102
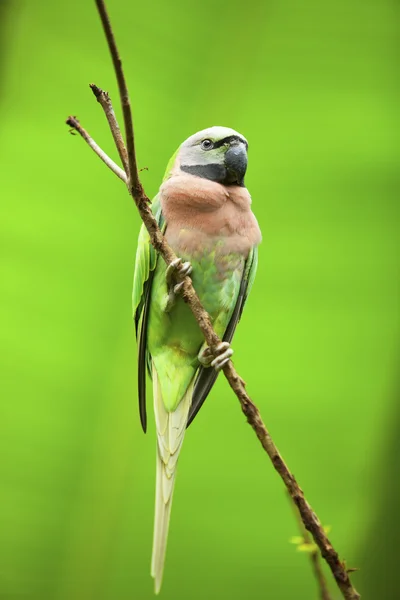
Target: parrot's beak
x=236 y=163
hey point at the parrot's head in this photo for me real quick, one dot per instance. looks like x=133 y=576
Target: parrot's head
x=216 y=153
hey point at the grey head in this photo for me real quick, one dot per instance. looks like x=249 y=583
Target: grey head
x=216 y=153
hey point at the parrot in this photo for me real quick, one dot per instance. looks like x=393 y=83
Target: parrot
x=204 y=210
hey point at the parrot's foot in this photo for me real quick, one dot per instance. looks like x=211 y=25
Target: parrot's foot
x=174 y=275
x=205 y=357
x=176 y=272
x=223 y=351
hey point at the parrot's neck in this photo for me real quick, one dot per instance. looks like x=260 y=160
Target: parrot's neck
x=200 y=212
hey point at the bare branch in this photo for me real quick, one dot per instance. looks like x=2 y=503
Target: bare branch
x=74 y=124
x=104 y=99
x=135 y=187
x=314 y=557
x=189 y=295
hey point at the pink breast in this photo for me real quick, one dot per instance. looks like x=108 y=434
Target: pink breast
x=200 y=212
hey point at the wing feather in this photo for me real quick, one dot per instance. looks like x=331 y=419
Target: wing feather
x=207 y=376
x=146 y=261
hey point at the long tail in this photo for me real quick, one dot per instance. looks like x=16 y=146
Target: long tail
x=171 y=427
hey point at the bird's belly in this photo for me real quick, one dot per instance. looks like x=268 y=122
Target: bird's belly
x=216 y=277
x=174 y=338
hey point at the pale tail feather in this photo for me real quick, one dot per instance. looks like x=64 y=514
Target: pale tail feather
x=171 y=427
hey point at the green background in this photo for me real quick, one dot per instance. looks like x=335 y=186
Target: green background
x=313 y=87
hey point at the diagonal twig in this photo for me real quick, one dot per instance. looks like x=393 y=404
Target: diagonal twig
x=104 y=99
x=314 y=557
x=309 y=518
x=74 y=123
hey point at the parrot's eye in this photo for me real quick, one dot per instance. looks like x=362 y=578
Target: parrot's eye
x=207 y=144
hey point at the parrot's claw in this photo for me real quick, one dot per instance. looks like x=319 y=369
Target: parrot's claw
x=169 y=301
x=224 y=353
x=176 y=272
x=205 y=357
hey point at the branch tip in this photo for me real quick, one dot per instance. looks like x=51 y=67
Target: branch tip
x=72 y=122
x=96 y=90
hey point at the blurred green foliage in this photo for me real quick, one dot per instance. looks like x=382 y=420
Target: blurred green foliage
x=313 y=87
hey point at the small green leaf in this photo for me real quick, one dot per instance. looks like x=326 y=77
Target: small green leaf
x=307 y=548
x=327 y=528
x=296 y=539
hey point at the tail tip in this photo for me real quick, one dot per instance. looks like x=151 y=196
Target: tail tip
x=157 y=585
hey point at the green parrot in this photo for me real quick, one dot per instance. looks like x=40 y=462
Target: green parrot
x=204 y=210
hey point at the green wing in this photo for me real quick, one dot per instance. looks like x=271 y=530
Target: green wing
x=146 y=261
x=206 y=376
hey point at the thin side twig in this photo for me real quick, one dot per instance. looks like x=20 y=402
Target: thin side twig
x=314 y=556
x=104 y=100
x=74 y=124
x=189 y=295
